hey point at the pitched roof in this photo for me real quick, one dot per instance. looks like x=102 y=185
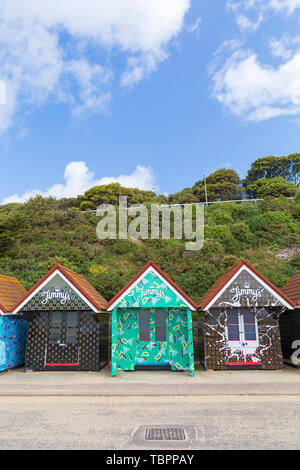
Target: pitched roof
x=140 y=273
x=292 y=288
x=78 y=281
x=11 y=290
x=225 y=278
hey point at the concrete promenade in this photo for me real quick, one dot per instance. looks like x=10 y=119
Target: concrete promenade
x=16 y=382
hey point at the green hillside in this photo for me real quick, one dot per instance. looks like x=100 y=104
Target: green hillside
x=37 y=234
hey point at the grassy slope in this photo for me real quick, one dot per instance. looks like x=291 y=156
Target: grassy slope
x=36 y=235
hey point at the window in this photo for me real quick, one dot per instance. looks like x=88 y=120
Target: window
x=72 y=319
x=55 y=335
x=56 y=319
x=160 y=325
x=249 y=325
x=71 y=332
x=144 y=334
x=55 y=327
x=71 y=335
x=233 y=325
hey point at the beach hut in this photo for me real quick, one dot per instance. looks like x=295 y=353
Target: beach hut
x=67 y=324
x=152 y=324
x=290 y=323
x=12 y=329
x=241 y=328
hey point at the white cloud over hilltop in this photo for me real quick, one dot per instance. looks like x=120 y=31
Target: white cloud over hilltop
x=78 y=179
x=45 y=49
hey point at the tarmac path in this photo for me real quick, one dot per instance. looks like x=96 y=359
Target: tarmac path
x=212 y=422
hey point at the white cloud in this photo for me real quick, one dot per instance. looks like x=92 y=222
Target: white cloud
x=88 y=77
x=255 y=91
x=280 y=48
x=138 y=67
x=244 y=9
x=78 y=179
x=287 y=5
x=194 y=27
x=285 y=47
x=2 y=92
x=245 y=24
x=246 y=86
x=45 y=48
x=142 y=178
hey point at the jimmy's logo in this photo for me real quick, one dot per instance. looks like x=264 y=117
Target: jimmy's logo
x=246 y=291
x=151 y=292
x=56 y=293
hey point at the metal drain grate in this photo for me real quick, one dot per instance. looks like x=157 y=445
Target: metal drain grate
x=165 y=434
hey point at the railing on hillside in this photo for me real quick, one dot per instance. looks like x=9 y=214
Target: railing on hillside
x=235 y=201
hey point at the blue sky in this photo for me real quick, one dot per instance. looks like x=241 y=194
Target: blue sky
x=150 y=93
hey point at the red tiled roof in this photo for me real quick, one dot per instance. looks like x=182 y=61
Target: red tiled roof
x=11 y=290
x=162 y=273
x=86 y=289
x=225 y=278
x=292 y=288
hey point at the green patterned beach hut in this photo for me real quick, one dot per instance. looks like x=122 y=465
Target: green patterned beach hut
x=152 y=324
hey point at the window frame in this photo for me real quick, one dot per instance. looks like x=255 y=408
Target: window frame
x=71 y=326
x=160 y=324
x=145 y=324
x=55 y=325
x=228 y=324
x=254 y=323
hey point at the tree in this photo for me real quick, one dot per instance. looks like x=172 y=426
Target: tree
x=294 y=176
x=11 y=225
x=222 y=185
x=110 y=193
x=272 y=167
x=185 y=196
x=274 y=187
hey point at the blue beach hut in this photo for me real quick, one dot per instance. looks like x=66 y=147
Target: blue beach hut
x=13 y=329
